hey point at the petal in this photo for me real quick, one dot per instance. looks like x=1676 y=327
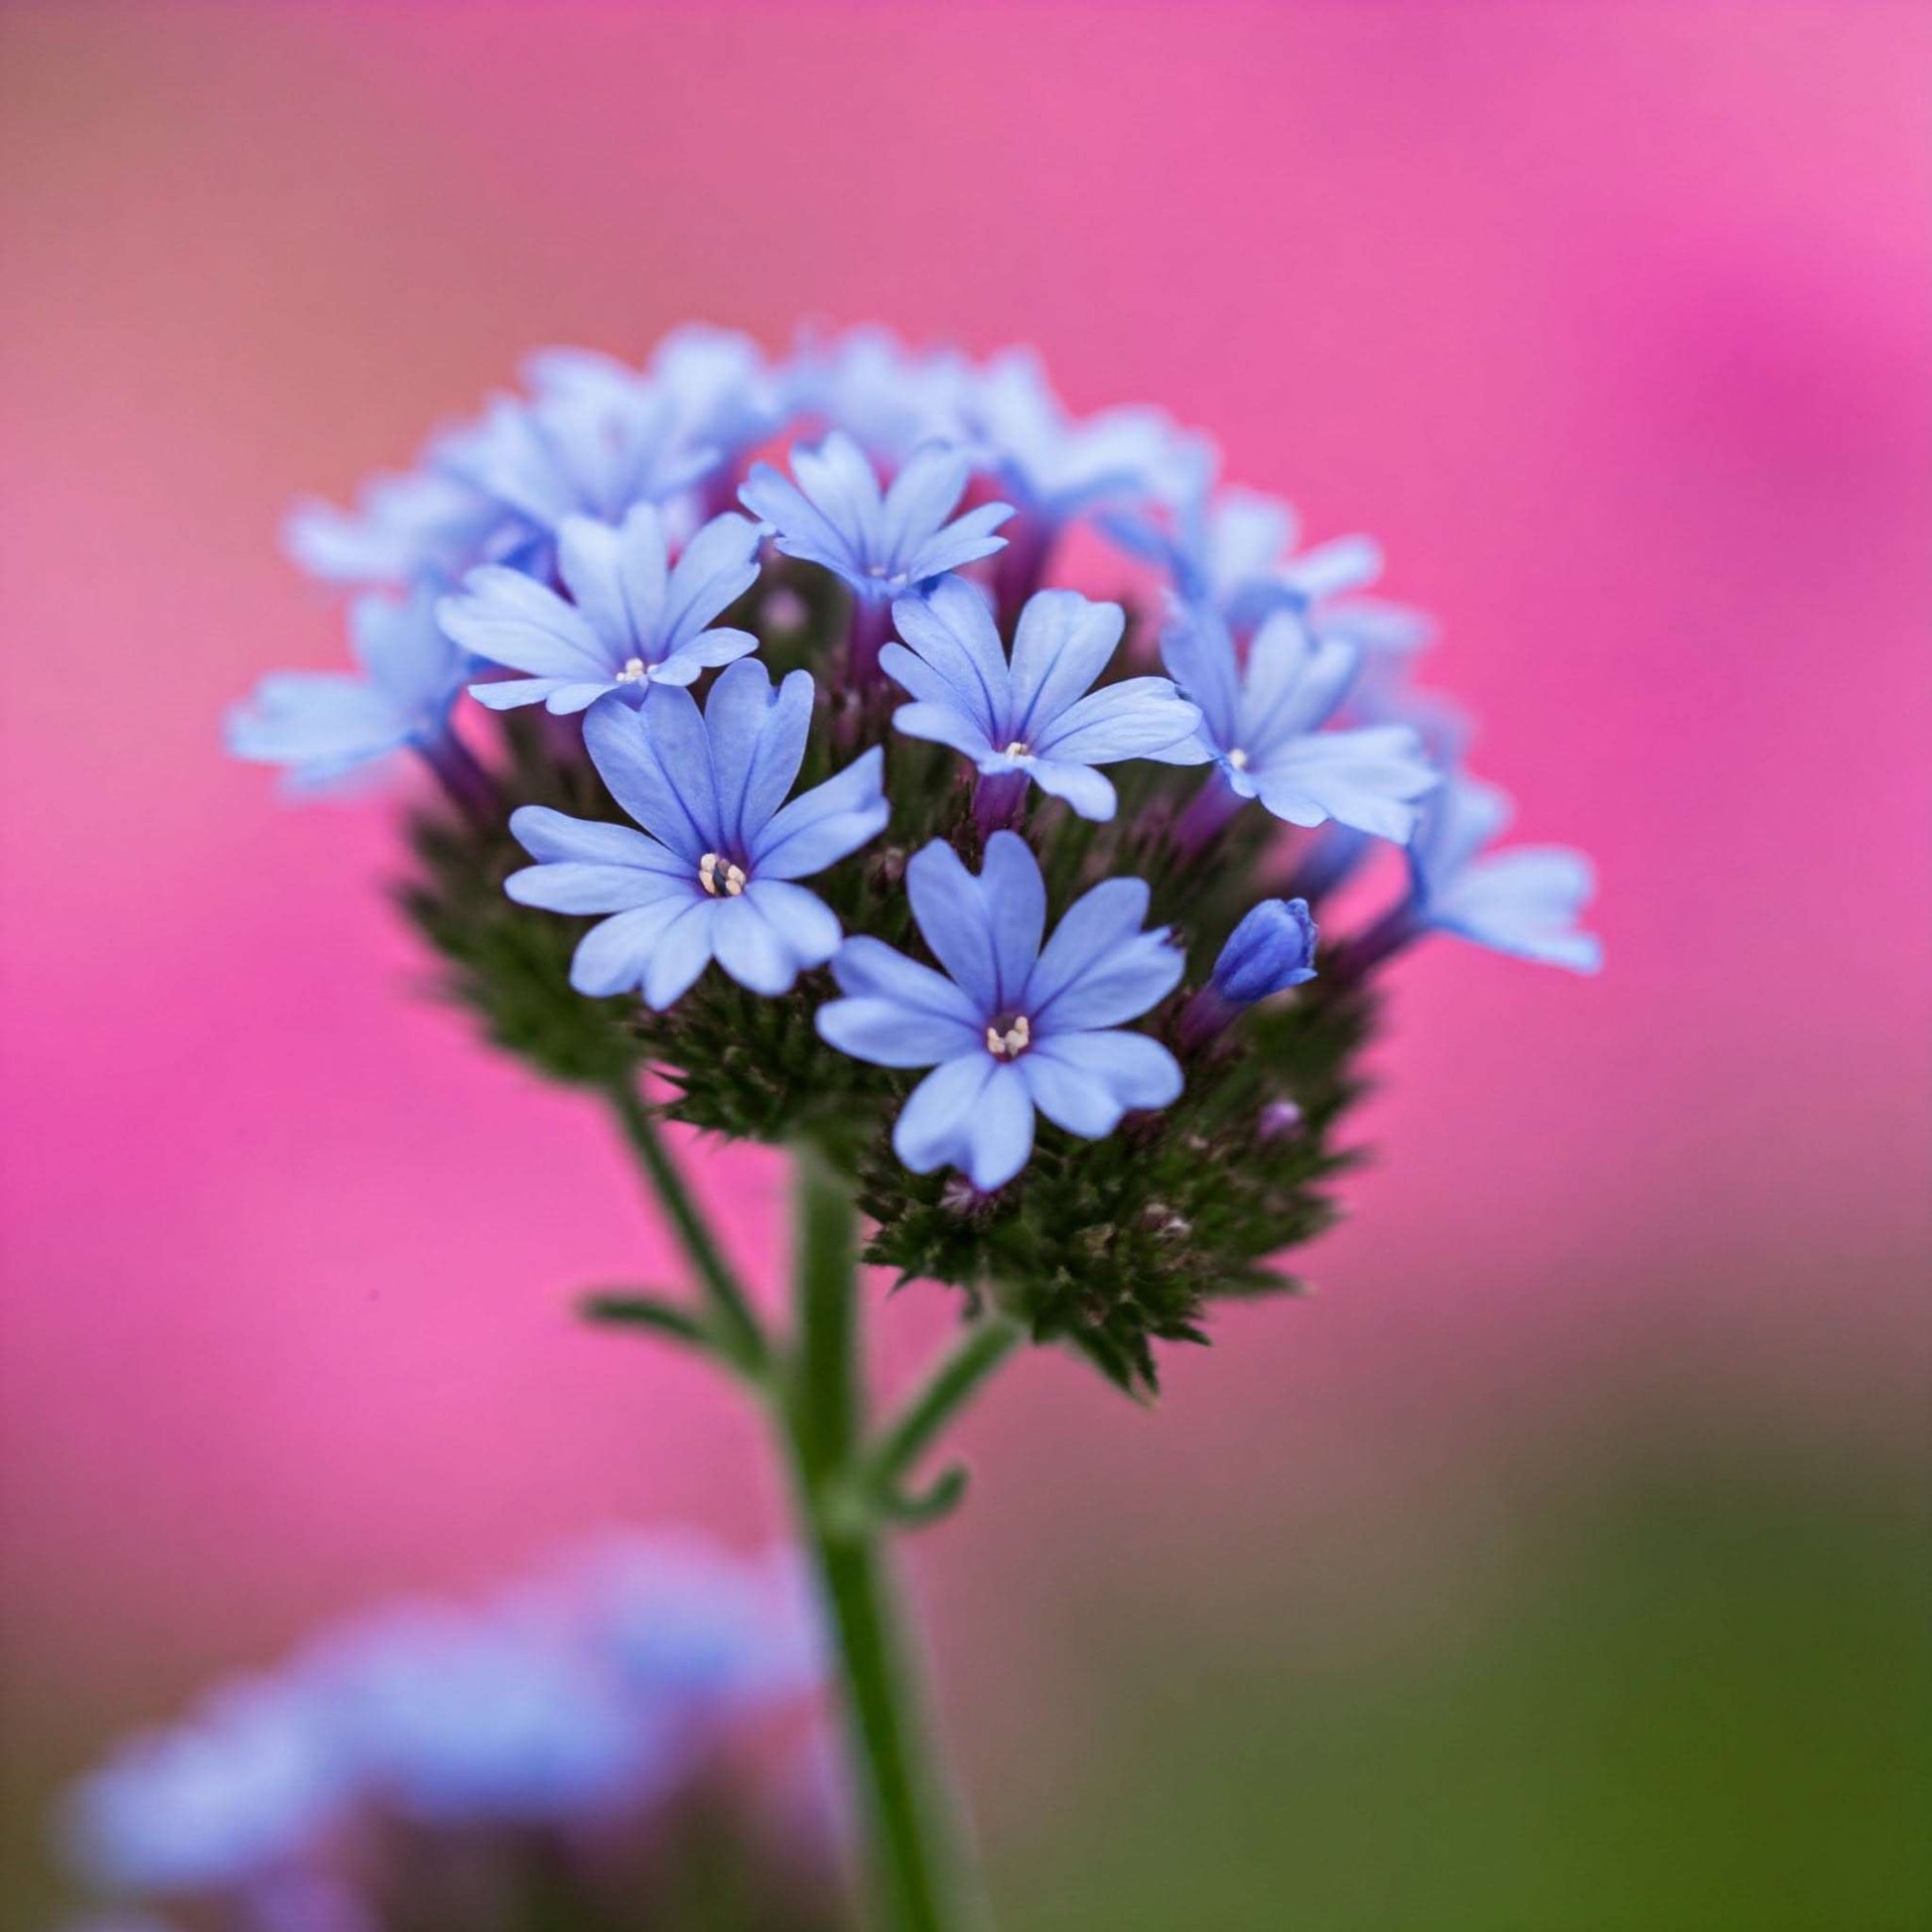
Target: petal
x=822 y=825
x=973 y=1113
x=773 y=496
x=1092 y=796
x=1086 y=1081
x=1199 y=657
x=1062 y=644
x=985 y=931
x=1293 y=683
x=940 y=724
x=758 y=742
x=749 y=947
x=566 y=700
x=505 y=694
x=626 y=752
x=1526 y=903
x=809 y=927
x=568 y=887
x=514 y=621
x=615 y=956
x=682 y=953
x=926 y=683
x=1343 y=564
x=920 y=500
x=1130 y=720
x=1366 y=778
x=719 y=565
x=1099 y=968
x=590 y=561
x=842 y=485
x=868 y=968
x=951 y=628
x=889 y=1034
x=550 y=835
x=704 y=653
x=963 y=541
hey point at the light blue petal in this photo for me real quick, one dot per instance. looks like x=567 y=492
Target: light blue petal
x=1367 y=778
x=822 y=825
x=513 y=621
x=928 y=684
x=682 y=953
x=1461 y=817
x=808 y=926
x=758 y=742
x=751 y=948
x=973 y=1113
x=869 y=969
x=1086 y=1081
x=1292 y=685
x=920 y=500
x=590 y=560
x=1343 y=564
x=1099 y=968
x=889 y=1034
x=1092 y=796
x=985 y=931
x=552 y=837
x=842 y=485
x=1525 y=902
x=1199 y=657
x=803 y=532
x=1015 y=895
x=506 y=694
x=625 y=753
x=959 y=543
x=719 y=565
x=1061 y=643
x=1000 y=1131
x=937 y=724
x=951 y=628
x=571 y=887
x=615 y=956
x=566 y=700
x=1130 y=720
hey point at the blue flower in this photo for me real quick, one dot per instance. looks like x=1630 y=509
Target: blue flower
x=717 y=877
x=1271 y=949
x=890 y=398
x=236 y=1790
x=1056 y=466
x=326 y=726
x=881 y=543
x=596 y=442
x=1037 y=717
x=1231 y=552
x=414 y=524
x=1262 y=727
x=637 y=623
x=1525 y=902
x=1008 y=1025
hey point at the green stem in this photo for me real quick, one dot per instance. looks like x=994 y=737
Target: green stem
x=974 y=1357
x=730 y=1313
x=912 y=1847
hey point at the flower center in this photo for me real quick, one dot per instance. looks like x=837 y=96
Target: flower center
x=1238 y=758
x=718 y=876
x=634 y=671
x=1019 y=749
x=1009 y=1040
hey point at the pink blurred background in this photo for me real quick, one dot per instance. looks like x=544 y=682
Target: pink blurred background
x=1612 y=322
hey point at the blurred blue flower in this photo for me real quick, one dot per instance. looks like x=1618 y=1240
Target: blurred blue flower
x=1056 y=466
x=881 y=543
x=716 y=878
x=636 y=622
x=1036 y=718
x=406 y=526
x=1262 y=726
x=325 y=726
x=1008 y=1025
x=1525 y=902
x=891 y=399
x=243 y=1786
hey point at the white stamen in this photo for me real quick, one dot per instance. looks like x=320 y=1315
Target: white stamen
x=1011 y=1043
x=1238 y=758
x=634 y=671
x=716 y=874
x=1019 y=749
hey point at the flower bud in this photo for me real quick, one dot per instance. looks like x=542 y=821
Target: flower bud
x=1271 y=949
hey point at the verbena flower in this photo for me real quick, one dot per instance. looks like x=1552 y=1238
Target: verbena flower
x=1035 y=717
x=633 y=620
x=891 y=399
x=1525 y=902
x=713 y=875
x=1262 y=725
x=323 y=726
x=1008 y=1025
x=880 y=542
x=1270 y=951
x=1056 y=466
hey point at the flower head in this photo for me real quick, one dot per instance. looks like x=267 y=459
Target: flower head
x=323 y=726
x=1037 y=716
x=633 y=620
x=1525 y=902
x=880 y=542
x=1007 y=1025
x=1262 y=726
x=713 y=875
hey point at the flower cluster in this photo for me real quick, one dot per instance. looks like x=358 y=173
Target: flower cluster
x=846 y=754
x=425 y=1763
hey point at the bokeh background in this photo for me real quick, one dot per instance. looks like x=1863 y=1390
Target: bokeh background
x=1563 y=1564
